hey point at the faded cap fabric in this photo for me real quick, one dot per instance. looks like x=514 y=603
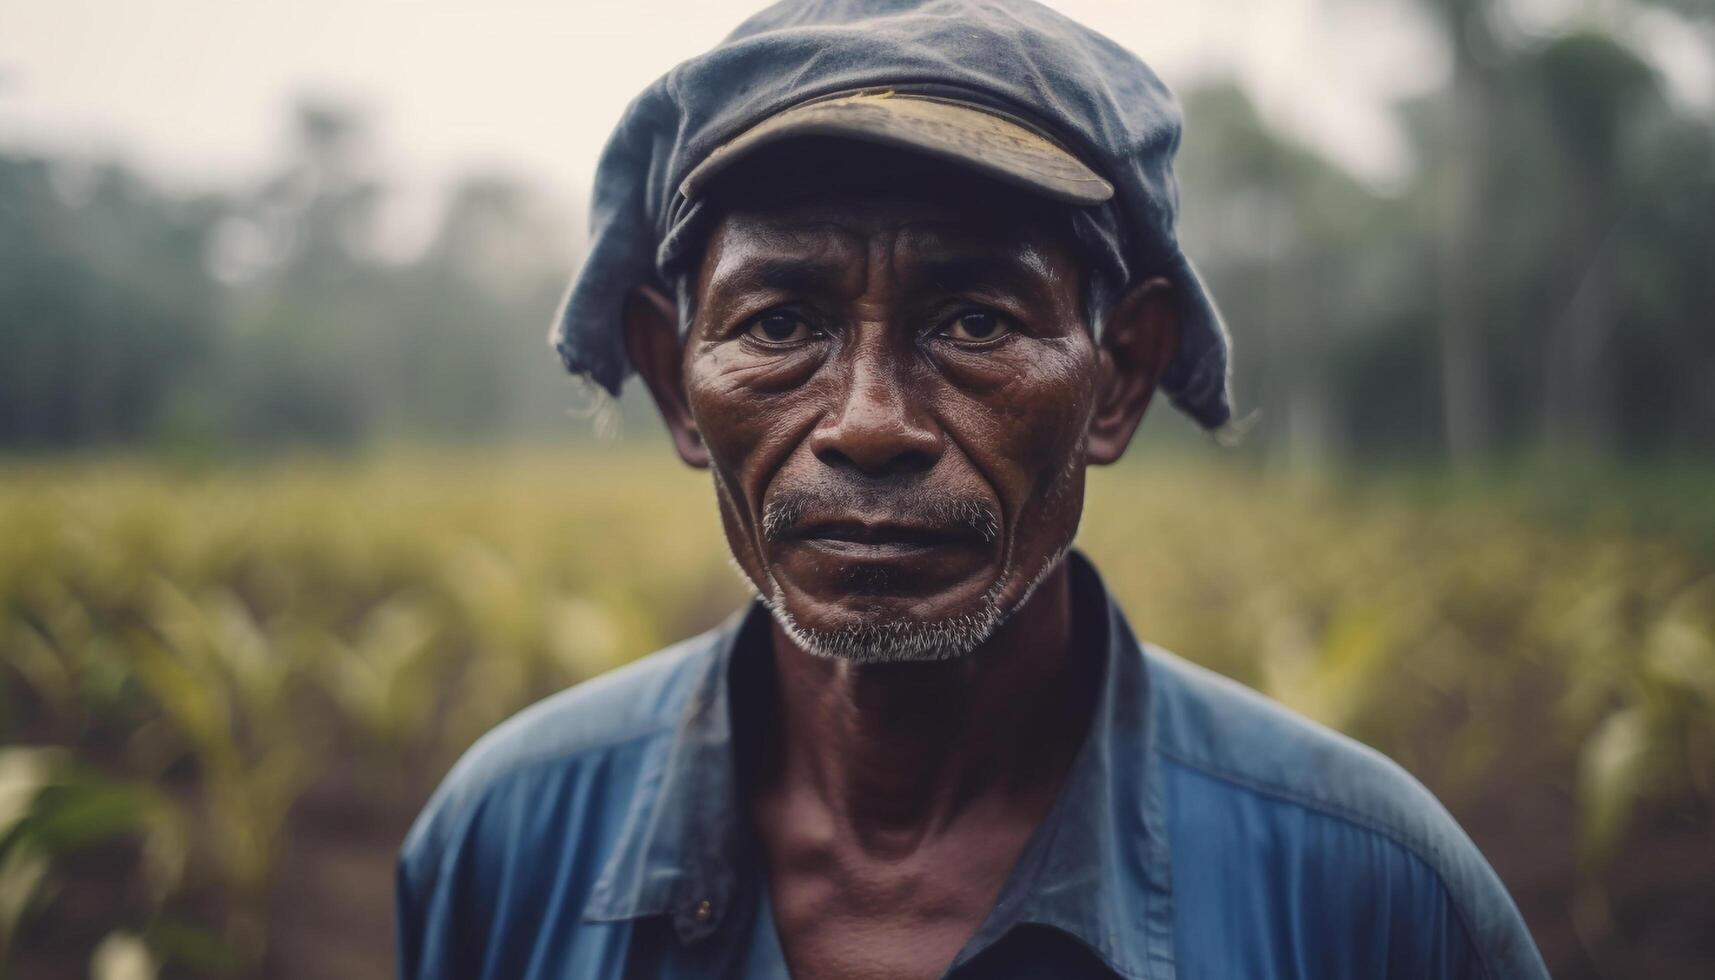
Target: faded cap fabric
x=1015 y=59
x=956 y=132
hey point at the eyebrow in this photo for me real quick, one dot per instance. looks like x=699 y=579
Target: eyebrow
x=1019 y=272
x=785 y=274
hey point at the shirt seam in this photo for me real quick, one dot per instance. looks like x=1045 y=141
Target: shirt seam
x=1336 y=811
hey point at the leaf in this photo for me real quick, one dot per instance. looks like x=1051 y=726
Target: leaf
x=1612 y=775
x=191 y=945
x=24 y=772
x=21 y=873
x=74 y=815
x=123 y=956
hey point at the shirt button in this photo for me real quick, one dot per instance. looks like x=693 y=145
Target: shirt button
x=705 y=911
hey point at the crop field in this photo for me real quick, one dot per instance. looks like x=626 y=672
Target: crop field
x=224 y=693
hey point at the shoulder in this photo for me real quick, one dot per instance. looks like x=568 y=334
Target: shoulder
x=642 y=698
x=1219 y=727
x=1268 y=788
x=548 y=746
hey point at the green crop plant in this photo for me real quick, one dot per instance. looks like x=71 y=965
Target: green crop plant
x=183 y=657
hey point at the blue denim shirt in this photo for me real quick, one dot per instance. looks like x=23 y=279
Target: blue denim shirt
x=1202 y=832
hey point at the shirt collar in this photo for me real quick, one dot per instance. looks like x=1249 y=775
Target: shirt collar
x=1098 y=867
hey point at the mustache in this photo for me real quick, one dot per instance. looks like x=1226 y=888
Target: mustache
x=792 y=510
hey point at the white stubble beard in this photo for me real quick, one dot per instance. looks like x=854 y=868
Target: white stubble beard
x=908 y=640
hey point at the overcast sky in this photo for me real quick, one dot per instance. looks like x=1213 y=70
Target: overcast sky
x=196 y=91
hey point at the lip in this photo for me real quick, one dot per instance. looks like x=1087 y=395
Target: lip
x=869 y=551
x=836 y=555
x=859 y=536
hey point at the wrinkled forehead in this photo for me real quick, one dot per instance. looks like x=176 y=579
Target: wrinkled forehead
x=947 y=237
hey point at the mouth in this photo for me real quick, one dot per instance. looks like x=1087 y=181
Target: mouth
x=891 y=553
x=881 y=539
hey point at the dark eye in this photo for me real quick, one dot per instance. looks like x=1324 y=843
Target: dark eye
x=779 y=328
x=977 y=325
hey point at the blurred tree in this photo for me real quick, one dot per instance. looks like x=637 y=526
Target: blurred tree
x=1306 y=262
x=104 y=305
x=1541 y=279
x=1465 y=408
x=475 y=330
x=1544 y=161
x=302 y=352
x=334 y=344
x=1595 y=95
x=1586 y=260
x=1537 y=284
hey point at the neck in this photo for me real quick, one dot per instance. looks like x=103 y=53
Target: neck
x=896 y=752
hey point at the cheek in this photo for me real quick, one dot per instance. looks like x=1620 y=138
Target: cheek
x=736 y=526
x=748 y=411
x=731 y=437
x=1028 y=429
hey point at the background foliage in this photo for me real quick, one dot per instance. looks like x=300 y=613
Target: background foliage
x=287 y=519
x=238 y=685
x=1539 y=282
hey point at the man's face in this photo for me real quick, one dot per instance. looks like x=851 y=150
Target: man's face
x=894 y=395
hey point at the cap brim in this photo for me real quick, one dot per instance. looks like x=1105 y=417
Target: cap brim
x=954 y=131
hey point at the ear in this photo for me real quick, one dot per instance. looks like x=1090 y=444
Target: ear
x=652 y=342
x=1137 y=345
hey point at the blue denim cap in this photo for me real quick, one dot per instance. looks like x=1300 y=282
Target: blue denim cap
x=1024 y=95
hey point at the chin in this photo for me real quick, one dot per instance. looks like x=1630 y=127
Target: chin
x=897 y=629
x=870 y=639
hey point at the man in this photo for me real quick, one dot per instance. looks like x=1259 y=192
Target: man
x=896 y=272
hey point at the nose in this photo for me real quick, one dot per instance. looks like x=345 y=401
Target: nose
x=879 y=428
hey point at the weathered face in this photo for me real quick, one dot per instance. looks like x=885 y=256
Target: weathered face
x=894 y=396
x=897 y=397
